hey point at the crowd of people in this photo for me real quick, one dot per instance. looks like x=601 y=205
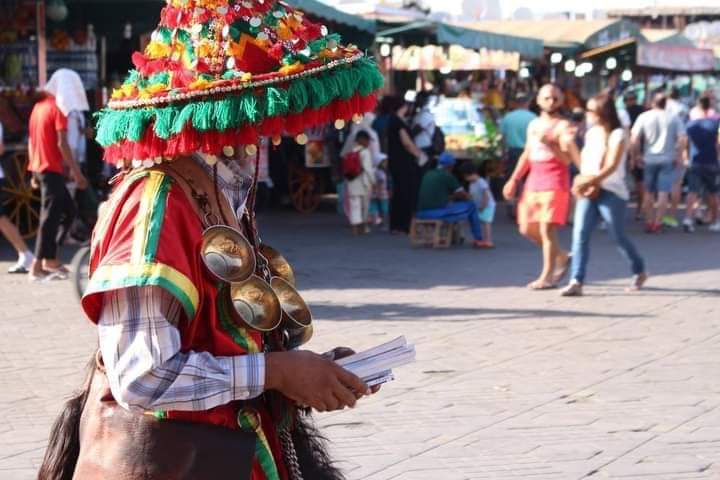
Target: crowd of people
x=561 y=166
x=401 y=150
x=578 y=166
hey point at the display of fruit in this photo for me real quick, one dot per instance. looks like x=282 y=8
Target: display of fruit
x=60 y=40
x=80 y=37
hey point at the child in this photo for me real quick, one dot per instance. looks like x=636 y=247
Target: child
x=380 y=196
x=359 y=178
x=483 y=198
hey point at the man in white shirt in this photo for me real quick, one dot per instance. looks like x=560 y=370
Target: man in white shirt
x=662 y=135
x=423 y=124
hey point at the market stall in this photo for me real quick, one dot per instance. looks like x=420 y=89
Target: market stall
x=470 y=132
x=651 y=63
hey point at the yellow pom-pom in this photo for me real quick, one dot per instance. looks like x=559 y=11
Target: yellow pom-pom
x=156 y=50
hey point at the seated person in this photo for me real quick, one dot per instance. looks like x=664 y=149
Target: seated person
x=443 y=198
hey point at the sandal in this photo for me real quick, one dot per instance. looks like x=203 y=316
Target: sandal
x=538 y=285
x=638 y=282
x=575 y=289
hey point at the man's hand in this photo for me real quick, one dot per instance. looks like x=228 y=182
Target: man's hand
x=81 y=182
x=342 y=352
x=312 y=380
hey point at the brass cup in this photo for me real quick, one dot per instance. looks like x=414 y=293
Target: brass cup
x=296 y=318
x=297 y=337
x=256 y=303
x=279 y=266
x=227 y=254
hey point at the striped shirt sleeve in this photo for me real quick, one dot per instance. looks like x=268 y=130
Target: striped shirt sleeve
x=140 y=344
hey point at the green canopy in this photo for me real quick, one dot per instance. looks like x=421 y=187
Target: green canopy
x=478 y=39
x=319 y=9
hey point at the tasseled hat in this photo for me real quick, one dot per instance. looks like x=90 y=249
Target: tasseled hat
x=222 y=73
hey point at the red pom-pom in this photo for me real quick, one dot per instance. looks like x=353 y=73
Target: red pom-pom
x=294 y=124
x=276 y=51
x=139 y=60
x=310 y=31
x=271 y=127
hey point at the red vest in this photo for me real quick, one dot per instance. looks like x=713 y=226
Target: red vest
x=149 y=235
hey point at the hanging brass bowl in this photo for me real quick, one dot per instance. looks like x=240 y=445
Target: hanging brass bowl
x=227 y=254
x=256 y=303
x=297 y=337
x=279 y=266
x=297 y=318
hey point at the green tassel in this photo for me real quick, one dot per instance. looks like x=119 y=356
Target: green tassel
x=132 y=78
x=106 y=120
x=183 y=117
x=160 y=77
x=318 y=94
x=248 y=110
x=164 y=118
x=345 y=83
x=202 y=119
x=223 y=113
x=318 y=45
x=297 y=96
x=137 y=123
x=276 y=102
x=165 y=35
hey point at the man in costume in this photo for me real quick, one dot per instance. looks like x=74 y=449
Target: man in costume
x=196 y=359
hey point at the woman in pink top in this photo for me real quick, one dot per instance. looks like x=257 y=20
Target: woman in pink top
x=545 y=202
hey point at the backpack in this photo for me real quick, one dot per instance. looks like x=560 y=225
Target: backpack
x=438 y=141
x=351 y=165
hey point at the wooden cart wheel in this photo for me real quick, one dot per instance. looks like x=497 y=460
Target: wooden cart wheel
x=305 y=189
x=21 y=203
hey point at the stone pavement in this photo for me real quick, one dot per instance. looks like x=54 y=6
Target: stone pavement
x=509 y=384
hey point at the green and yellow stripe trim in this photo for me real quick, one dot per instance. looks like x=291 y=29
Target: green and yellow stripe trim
x=149 y=218
x=113 y=277
x=263 y=453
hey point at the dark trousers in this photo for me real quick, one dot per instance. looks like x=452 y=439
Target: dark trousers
x=56 y=215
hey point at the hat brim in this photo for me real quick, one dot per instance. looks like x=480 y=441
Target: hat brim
x=237 y=113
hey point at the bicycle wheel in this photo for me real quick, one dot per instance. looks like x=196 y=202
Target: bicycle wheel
x=80 y=268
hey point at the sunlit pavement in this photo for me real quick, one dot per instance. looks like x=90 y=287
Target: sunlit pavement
x=508 y=384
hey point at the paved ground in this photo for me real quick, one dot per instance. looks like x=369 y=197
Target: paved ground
x=508 y=384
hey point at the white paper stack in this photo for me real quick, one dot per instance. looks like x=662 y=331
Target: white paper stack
x=374 y=366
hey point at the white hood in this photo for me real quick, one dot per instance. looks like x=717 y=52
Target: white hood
x=69 y=92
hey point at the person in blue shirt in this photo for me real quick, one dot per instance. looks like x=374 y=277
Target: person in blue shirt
x=514 y=127
x=704 y=164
